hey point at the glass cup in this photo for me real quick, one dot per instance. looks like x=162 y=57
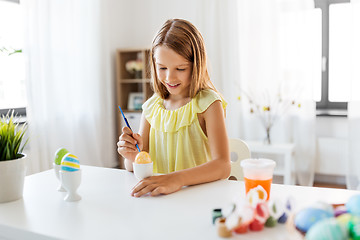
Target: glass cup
x=258 y=172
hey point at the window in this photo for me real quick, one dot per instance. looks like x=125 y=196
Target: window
x=12 y=63
x=335 y=80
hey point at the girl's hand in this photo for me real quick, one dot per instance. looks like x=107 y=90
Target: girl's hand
x=127 y=144
x=156 y=185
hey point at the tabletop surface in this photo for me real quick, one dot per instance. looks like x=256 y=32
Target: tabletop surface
x=107 y=211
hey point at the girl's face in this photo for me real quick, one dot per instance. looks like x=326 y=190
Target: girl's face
x=173 y=71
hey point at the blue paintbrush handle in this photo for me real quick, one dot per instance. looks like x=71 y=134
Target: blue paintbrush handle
x=127 y=124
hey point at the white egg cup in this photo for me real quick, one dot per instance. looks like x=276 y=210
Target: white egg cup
x=143 y=170
x=71 y=181
x=57 y=174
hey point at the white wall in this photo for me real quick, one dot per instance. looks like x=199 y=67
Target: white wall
x=332 y=133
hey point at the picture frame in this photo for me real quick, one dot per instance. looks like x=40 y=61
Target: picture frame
x=135 y=101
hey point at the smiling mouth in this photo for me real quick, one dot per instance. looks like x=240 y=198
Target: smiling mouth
x=172 y=85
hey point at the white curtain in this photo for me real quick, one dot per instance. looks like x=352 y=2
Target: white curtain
x=353 y=166
x=69 y=83
x=218 y=23
x=280 y=54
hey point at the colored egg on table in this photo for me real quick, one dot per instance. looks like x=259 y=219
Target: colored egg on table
x=354 y=228
x=344 y=219
x=308 y=217
x=326 y=229
x=70 y=163
x=142 y=158
x=353 y=205
x=59 y=154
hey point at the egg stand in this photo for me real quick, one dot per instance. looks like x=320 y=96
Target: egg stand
x=57 y=174
x=71 y=181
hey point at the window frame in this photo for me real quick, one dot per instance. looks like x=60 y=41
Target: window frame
x=324 y=103
x=19 y=111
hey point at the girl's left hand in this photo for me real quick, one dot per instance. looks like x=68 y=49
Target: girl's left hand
x=156 y=185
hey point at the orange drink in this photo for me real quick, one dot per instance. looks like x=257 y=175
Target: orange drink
x=258 y=172
x=253 y=183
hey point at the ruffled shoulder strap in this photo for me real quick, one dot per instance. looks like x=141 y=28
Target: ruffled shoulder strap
x=206 y=97
x=153 y=103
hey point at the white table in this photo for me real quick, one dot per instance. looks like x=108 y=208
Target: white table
x=107 y=211
x=287 y=150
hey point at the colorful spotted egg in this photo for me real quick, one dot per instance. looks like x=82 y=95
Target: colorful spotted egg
x=70 y=163
x=309 y=216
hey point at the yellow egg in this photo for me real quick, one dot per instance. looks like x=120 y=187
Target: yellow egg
x=142 y=158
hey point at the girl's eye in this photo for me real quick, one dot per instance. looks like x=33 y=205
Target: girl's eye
x=162 y=68
x=181 y=69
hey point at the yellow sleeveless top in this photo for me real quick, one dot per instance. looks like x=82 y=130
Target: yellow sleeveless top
x=176 y=140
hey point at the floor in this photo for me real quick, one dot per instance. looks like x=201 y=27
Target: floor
x=279 y=180
x=329 y=185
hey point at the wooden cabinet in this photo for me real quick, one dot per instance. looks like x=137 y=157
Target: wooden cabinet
x=132 y=87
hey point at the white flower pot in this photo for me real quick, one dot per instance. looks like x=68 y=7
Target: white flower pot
x=12 y=176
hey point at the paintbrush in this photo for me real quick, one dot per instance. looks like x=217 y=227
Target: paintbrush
x=127 y=124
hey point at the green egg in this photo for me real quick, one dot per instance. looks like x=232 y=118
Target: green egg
x=59 y=154
x=326 y=229
x=354 y=228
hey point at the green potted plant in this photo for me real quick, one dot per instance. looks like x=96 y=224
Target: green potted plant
x=12 y=158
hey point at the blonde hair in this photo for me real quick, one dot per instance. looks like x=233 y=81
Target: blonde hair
x=182 y=37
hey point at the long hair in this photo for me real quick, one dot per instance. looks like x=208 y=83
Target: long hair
x=182 y=37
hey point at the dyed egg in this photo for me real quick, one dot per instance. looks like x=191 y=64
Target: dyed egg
x=326 y=229
x=59 y=154
x=308 y=217
x=70 y=163
x=142 y=158
x=354 y=228
x=353 y=205
x=344 y=219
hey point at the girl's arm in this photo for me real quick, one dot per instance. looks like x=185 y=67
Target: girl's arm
x=128 y=140
x=218 y=168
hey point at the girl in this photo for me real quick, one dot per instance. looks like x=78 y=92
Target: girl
x=183 y=123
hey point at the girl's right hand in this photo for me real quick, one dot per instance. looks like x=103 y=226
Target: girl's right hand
x=127 y=144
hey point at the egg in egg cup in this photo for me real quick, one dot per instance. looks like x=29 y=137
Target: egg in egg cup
x=59 y=154
x=70 y=175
